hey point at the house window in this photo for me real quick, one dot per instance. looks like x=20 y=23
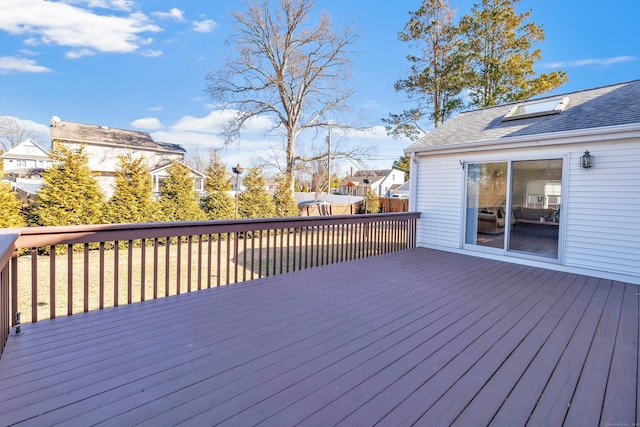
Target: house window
x=537 y=109
x=22 y=163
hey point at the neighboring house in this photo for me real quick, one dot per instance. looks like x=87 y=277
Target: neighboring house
x=379 y=181
x=104 y=146
x=23 y=166
x=401 y=190
x=514 y=183
x=25 y=159
x=159 y=174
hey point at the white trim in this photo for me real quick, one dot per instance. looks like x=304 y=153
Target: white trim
x=540 y=264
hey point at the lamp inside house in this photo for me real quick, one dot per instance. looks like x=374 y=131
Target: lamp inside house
x=586 y=161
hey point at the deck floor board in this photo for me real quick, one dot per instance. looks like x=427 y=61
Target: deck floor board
x=419 y=337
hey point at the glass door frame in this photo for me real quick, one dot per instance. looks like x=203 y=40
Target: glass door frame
x=507 y=233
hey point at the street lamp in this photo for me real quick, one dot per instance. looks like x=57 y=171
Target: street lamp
x=366 y=183
x=237 y=170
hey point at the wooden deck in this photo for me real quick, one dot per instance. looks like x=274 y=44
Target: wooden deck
x=417 y=337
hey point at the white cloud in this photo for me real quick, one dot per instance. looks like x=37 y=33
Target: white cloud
x=150 y=53
x=28 y=52
x=205 y=26
x=126 y=5
x=174 y=14
x=63 y=24
x=147 y=123
x=215 y=121
x=591 y=61
x=12 y=64
x=156 y=108
x=79 y=53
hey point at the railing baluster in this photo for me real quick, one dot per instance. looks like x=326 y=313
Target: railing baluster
x=69 y=280
x=101 y=278
x=155 y=267
x=219 y=264
x=52 y=283
x=116 y=272
x=178 y=265
x=281 y=250
x=129 y=271
x=200 y=262
x=34 y=284
x=189 y=262
x=14 y=286
x=228 y=278
x=253 y=255
x=209 y=260
x=235 y=256
x=244 y=256
x=86 y=278
x=268 y=256
x=167 y=263
x=143 y=269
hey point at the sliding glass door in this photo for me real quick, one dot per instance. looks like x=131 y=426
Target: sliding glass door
x=514 y=206
x=486 y=204
x=536 y=196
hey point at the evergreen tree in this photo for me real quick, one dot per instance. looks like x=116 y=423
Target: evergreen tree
x=178 y=199
x=498 y=48
x=436 y=77
x=285 y=202
x=70 y=195
x=403 y=164
x=10 y=206
x=371 y=202
x=255 y=201
x=217 y=203
x=132 y=200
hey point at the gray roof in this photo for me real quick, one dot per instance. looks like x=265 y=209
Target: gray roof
x=613 y=105
x=372 y=175
x=79 y=132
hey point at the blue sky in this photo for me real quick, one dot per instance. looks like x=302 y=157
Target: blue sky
x=140 y=64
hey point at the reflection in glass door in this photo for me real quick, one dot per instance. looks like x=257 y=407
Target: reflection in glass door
x=535 y=205
x=486 y=204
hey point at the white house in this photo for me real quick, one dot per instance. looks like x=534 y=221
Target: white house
x=552 y=182
x=160 y=173
x=25 y=159
x=23 y=166
x=104 y=146
x=379 y=181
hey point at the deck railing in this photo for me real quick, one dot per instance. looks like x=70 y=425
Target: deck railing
x=7 y=248
x=52 y=271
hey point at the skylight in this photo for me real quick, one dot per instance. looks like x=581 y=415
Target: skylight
x=537 y=109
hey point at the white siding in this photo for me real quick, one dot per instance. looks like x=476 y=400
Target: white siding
x=603 y=210
x=600 y=233
x=439 y=194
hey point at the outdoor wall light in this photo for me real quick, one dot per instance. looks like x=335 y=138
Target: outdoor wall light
x=586 y=161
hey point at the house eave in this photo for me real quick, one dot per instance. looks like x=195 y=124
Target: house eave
x=609 y=133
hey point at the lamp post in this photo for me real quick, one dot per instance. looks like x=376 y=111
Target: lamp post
x=366 y=183
x=237 y=170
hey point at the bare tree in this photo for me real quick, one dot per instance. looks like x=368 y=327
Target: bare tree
x=288 y=69
x=13 y=133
